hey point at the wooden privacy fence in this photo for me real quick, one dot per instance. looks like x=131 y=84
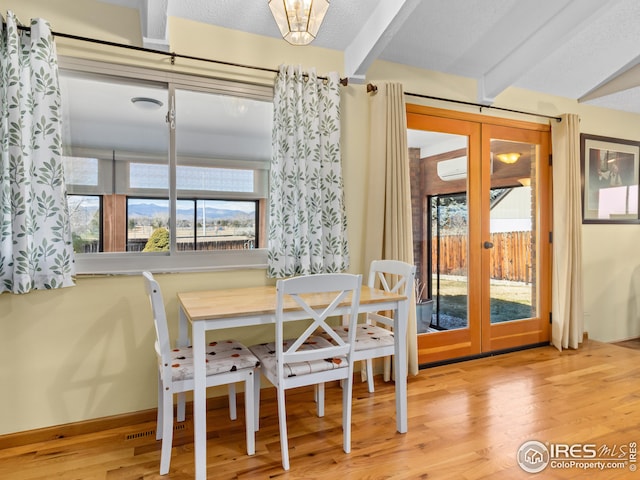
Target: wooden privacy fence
x=510 y=256
x=187 y=246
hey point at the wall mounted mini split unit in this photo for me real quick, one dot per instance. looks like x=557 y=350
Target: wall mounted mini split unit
x=453 y=169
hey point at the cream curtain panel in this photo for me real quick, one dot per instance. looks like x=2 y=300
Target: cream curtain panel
x=35 y=234
x=307 y=219
x=389 y=233
x=567 y=310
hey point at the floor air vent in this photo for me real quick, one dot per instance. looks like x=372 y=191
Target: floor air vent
x=152 y=432
x=133 y=436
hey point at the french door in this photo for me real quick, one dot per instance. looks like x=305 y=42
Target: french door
x=481 y=210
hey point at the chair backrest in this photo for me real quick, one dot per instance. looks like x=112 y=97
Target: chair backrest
x=392 y=276
x=163 y=346
x=303 y=292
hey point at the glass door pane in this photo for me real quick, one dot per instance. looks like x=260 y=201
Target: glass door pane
x=439 y=193
x=512 y=230
x=449 y=229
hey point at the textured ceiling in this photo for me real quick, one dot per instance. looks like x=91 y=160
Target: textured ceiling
x=568 y=48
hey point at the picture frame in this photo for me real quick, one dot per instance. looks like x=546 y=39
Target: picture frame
x=610 y=169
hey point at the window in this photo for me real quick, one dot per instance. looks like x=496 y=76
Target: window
x=202 y=225
x=164 y=171
x=85 y=212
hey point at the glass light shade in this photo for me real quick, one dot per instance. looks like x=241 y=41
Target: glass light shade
x=146 y=103
x=508 y=157
x=299 y=20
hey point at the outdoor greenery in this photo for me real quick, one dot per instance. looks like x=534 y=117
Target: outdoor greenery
x=509 y=300
x=158 y=242
x=85 y=224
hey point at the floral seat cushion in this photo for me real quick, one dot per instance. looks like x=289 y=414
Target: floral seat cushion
x=368 y=336
x=266 y=353
x=223 y=356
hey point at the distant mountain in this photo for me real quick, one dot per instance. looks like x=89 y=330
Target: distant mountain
x=147 y=210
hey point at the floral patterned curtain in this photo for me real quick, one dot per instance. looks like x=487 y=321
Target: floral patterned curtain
x=36 y=251
x=307 y=221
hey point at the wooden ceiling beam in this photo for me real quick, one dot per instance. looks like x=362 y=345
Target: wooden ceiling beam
x=374 y=35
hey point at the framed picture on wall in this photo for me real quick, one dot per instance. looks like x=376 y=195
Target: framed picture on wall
x=610 y=176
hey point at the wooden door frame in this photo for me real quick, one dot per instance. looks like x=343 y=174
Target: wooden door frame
x=475 y=341
x=517 y=333
x=466 y=342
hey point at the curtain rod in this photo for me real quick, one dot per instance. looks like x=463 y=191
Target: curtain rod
x=343 y=81
x=374 y=89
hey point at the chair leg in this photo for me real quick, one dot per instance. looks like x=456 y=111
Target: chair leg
x=249 y=413
x=370 y=375
x=181 y=400
x=159 y=416
x=167 y=429
x=320 y=399
x=347 y=394
x=387 y=368
x=233 y=411
x=282 y=417
x=256 y=400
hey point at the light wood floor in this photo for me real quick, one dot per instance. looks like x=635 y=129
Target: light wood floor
x=633 y=343
x=466 y=421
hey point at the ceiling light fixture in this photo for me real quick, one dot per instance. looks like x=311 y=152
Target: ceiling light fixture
x=146 y=103
x=299 y=20
x=508 y=158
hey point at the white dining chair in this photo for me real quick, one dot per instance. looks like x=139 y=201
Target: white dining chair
x=310 y=359
x=228 y=362
x=374 y=337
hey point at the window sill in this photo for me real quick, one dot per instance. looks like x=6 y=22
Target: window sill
x=134 y=263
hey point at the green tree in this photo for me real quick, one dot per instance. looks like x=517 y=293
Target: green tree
x=94 y=225
x=78 y=243
x=158 y=241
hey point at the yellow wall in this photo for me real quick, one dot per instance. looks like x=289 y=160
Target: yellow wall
x=85 y=352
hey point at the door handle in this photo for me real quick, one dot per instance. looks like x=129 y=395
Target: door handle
x=487 y=245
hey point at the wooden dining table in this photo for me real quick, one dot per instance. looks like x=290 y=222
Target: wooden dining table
x=246 y=306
